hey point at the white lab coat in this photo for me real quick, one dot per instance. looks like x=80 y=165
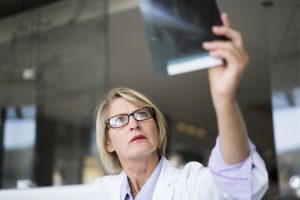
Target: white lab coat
x=193 y=182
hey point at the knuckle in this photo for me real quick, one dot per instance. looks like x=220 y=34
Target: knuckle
x=230 y=45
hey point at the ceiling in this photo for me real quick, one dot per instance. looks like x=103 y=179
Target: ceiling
x=50 y=55
x=185 y=99
x=12 y=7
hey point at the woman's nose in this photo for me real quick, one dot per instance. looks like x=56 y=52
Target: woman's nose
x=133 y=123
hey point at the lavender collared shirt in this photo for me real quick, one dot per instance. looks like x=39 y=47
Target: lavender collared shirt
x=147 y=190
x=223 y=173
x=233 y=179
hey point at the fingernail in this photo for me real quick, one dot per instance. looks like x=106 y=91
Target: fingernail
x=205 y=44
x=215 y=28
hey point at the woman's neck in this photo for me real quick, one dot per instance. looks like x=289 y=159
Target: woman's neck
x=139 y=170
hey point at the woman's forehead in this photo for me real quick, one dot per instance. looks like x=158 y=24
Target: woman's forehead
x=121 y=105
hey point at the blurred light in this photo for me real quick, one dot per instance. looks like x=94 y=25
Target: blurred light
x=181 y=127
x=286 y=127
x=294 y=182
x=29 y=74
x=19 y=134
x=191 y=130
x=200 y=133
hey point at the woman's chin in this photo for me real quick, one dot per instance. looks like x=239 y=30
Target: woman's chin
x=142 y=152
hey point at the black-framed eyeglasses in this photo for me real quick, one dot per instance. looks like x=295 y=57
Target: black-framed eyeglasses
x=121 y=120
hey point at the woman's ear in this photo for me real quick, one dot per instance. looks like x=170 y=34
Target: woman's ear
x=109 y=146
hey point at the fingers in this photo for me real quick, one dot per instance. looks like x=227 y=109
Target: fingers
x=233 y=50
x=225 y=45
x=227 y=51
x=225 y=20
x=228 y=32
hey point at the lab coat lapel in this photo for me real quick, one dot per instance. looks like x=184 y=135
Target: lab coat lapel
x=164 y=188
x=116 y=183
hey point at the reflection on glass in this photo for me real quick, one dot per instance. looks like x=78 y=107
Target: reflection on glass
x=286 y=126
x=285 y=78
x=19 y=142
x=52 y=57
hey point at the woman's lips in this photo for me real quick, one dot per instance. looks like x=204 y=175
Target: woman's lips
x=137 y=137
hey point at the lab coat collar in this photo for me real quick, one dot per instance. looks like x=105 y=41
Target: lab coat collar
x=164 y=186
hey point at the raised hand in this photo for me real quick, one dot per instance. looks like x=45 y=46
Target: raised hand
x=224 y=79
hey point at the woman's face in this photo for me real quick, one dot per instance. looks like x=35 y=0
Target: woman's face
x=135 y=140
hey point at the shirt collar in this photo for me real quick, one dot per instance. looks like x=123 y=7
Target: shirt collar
x=147 y=190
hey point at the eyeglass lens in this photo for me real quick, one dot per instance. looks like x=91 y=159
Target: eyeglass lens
x=123 y=119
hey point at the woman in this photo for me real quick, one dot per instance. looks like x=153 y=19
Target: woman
x=131 y=138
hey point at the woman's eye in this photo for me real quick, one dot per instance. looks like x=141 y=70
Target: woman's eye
x=119 y=120
x=142 y=114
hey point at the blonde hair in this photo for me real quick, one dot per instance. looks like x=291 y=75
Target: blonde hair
x=109 y=160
